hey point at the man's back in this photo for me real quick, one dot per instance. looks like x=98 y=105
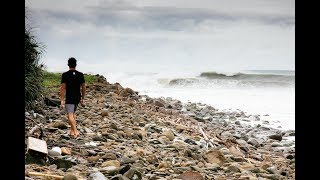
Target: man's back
x=73 y=80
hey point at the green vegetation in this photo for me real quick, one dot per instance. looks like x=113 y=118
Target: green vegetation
x=52 y=80
x=89 y=78
x=33 y=69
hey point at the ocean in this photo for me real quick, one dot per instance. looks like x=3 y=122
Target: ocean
x=267 y=93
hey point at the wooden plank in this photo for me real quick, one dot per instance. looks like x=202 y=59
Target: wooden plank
x=45 y=175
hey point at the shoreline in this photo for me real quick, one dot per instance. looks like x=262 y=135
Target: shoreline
x=126 y=135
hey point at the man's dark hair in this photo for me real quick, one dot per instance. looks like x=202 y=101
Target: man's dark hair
x=72 y=62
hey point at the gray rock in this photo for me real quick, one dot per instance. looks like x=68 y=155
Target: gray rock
x=87 y=130
x=199 y=118
x=109 y=156
x=190 y=175
x=289 y=150
x=276 y=144
x=114 y=126
x=154 y=141
x=53 y=167
x=238 y=159
x=124 y=169
x=63 y=163
x=84 y=152
x=207 y=118
x=244 y=136
x=152 y=159
x=169 y=106
x=119 y=177
x=225 y=151
x=87 y=122
x=104 y=112
x=292 y=134
x=237 y=123
x=226 y=134
x=158 y=103
x=233 y=168
x=153 y=128
x=284 y=173
x=271 y=176
x=214 y=156
x=190 y=141
x=276 y=137
x=126 y=160
x=264 y=128
x=289 y=156
x=254 y=118
x=97 y=138
x=272 y=170
x=92 y=152
x=97 y=176
x=253 y=142
x=60 y=125
x=133 y=174
x=254 y=169
x=238 y=136
x=110 y=170
x=169 y=134
x=232 y=118
x=69 y=177
x=34 y=158
x=111 y=136
x=191 y=114
x=187 y=153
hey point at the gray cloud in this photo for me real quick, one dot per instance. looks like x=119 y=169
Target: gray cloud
x=204 y=34
x=159 y=18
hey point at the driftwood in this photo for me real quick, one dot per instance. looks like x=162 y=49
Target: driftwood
x=45 y=175
x=52 y=102
x=32 y=130
x=206 y=137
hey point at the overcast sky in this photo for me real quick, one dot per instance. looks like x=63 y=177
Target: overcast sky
x=153 y=35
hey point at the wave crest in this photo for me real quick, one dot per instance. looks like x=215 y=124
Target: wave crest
x=249 y=77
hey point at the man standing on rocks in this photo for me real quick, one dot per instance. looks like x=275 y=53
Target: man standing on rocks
x=70 y=94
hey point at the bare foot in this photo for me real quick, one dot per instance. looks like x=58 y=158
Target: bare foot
x=77 y=134
x=71 y=133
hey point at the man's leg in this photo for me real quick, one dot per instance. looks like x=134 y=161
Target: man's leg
x=76 y=132
x=72 y=121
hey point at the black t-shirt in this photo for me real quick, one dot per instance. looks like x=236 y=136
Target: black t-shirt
x=73 y=80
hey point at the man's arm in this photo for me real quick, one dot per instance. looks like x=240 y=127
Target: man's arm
x=83 y=92
x=62 y=93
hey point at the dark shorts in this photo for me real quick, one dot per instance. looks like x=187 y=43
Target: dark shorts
x=71 y=108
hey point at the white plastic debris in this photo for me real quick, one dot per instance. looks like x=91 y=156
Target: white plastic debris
x=57 y=149
x=37 y=145
x=98 y=176
x=91 y=144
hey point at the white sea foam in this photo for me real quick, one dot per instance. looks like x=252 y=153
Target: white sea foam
x=269 y=96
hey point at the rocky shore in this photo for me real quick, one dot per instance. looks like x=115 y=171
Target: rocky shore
x=125 y=135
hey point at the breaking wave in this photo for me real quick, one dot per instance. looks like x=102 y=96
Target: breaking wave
x=207 y=79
